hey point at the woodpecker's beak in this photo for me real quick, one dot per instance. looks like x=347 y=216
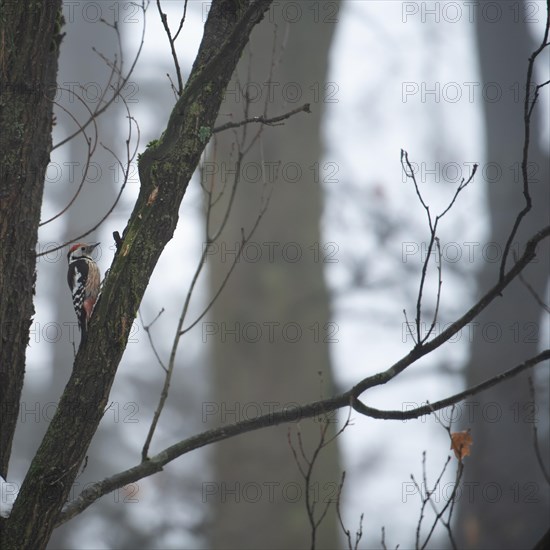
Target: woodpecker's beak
x=92 y=246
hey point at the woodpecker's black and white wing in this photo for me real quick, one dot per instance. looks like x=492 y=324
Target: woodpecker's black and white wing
x=77 y=277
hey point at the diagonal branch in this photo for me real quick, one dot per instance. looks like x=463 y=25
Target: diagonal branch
x=157 y=462
x=431 y=407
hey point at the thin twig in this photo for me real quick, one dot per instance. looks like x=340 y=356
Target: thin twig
x=359 y=532
x=126 y=172
x=409 y=172
x=527 y=112
x=427 y=498
x=172 y=41
x=121 y=82
x=89 y=155
x=182 y=20
x=439 y=283
x=408 y=325
x=383 y=539
x=230 y=270
x=147 y=329
x=306 y=466
x=273 y=121
x=531 y=290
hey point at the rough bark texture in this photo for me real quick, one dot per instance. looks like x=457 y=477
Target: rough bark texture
x=29 y=41
x=165 y=170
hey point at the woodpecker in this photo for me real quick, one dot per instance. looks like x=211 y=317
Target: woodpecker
x=84 y=281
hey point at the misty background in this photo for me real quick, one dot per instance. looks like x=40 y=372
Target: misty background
x=334 y=262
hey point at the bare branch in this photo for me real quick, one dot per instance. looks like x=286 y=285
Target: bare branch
x=531 y=290
x=180 y=331
x=126 y=172
x=439 y=283
x=230 y=270
x=91 y=149
x=306 y=466
x=122 y=81
x=273 y=121
x=147 y=329
x=359 y=532
x=306 y=472
x=454 y=399
x=409 y=330
x=383 y=539
x=409 y=172
x=210 y=240
x=449 y=505
x=528 y=107
x=157 y=462
x=182 y=20
x=427 y=498
x=172 y=41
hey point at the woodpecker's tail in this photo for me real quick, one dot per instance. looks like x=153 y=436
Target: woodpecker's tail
x=83 y=331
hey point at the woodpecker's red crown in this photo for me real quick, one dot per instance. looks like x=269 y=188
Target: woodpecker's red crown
x=80 y=250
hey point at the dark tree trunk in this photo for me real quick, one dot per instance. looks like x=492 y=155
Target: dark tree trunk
x=30 y=38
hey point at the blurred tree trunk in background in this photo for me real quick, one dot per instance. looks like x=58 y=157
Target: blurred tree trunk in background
x=507 y=503
x=261 y=495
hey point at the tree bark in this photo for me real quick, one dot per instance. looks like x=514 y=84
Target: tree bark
x=30 y=38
